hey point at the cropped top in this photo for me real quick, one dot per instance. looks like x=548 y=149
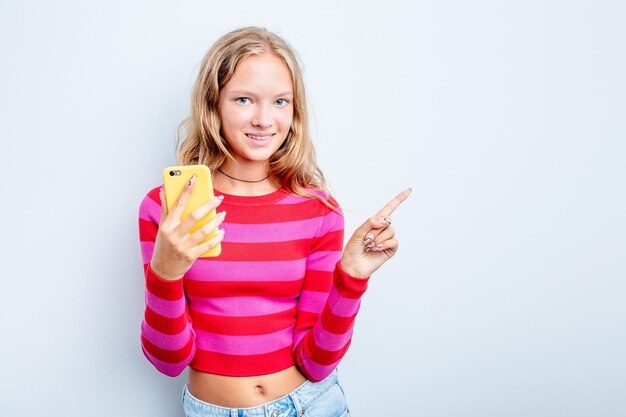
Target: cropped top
x=276 y=295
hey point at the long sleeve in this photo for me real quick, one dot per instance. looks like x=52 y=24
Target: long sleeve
x=328 y=304
x=167 y=337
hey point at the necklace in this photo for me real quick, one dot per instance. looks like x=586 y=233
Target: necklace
x=237 y=179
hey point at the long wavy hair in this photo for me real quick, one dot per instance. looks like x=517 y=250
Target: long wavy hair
x=293 y=166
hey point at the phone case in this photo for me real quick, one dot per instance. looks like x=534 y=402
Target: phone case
x=174 y=179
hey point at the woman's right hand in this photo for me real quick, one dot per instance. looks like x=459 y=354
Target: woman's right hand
x=175 y=249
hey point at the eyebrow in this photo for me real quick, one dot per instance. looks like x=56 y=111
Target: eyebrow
x=249 y=93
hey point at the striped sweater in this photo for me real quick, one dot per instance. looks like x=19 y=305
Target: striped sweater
x=276 y=296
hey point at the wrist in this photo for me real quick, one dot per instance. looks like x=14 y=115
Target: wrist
x=350 y=270
x=163 y=274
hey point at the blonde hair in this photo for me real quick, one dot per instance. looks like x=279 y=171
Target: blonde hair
x=293 y=166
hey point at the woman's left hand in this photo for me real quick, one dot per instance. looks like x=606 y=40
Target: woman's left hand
x=373 y=243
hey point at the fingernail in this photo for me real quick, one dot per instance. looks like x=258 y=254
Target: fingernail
x=192 y=180
x=222 y=214
x=379 y=246
x=220 y=197
x=384 y=222
x=369 y=238
x=370 y=245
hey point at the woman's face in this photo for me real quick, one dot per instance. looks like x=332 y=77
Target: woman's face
x=256 y=107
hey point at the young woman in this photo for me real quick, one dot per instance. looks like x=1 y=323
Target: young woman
x=264 y=325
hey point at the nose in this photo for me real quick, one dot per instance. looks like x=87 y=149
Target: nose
x=262 y=116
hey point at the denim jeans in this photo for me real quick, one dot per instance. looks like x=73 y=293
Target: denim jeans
x=311 y=399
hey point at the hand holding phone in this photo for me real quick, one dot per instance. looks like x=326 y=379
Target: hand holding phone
x=188 y=228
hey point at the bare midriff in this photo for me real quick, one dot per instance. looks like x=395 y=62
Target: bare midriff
x=243 y=391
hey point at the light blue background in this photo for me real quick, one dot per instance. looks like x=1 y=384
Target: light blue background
x=507 y=296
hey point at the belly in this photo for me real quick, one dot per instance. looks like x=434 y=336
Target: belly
x=246 y=391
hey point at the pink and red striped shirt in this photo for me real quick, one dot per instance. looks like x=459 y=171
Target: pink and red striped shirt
x=276 y=296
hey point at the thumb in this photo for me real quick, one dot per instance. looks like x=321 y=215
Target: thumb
x=373 y=223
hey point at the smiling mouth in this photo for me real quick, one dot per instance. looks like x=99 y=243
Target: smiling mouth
x=260 y=138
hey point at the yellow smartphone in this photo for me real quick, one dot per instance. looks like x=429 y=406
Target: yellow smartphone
x=174 y=180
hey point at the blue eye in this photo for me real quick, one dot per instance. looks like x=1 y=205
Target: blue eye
x=281 y=102
x=243 y=100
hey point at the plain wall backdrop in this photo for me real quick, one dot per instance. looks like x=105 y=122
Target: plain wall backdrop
x=507 y=118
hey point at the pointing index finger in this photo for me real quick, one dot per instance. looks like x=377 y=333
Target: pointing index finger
x=393 y=204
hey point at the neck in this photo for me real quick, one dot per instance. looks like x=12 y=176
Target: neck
x=233 y=179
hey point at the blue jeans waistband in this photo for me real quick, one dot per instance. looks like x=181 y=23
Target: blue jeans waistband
x=296 y=399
